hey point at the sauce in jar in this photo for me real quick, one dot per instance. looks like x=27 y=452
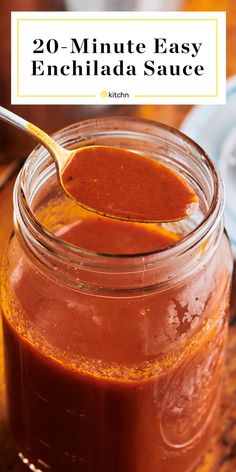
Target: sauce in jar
x=114 y=331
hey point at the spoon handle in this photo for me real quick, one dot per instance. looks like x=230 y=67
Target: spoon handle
x=13 y=119
x=57 y=152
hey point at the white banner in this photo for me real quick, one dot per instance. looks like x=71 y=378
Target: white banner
x=118 y=57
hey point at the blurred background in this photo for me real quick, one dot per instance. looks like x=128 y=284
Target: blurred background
x=14 y=144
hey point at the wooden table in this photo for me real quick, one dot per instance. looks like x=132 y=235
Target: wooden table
x=221 y=455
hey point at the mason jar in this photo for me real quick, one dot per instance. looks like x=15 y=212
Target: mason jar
x=114 y=362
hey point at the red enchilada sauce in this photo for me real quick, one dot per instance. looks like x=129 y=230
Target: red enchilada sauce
x=127 y=185
x=101 y=384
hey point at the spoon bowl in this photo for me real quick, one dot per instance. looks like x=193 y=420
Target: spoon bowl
x=115 y=182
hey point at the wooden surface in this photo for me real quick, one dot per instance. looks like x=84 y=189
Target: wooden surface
x=221 y=455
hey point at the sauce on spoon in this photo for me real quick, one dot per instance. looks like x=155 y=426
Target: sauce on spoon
x=126 y=185
x=116 y=182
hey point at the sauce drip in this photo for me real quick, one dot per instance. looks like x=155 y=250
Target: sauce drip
x=122 y=184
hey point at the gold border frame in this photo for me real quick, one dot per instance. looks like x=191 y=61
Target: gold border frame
x=115 y=19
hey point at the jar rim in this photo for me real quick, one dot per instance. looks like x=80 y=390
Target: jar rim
x=208 y=223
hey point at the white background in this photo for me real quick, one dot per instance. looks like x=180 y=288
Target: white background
x=27 y=89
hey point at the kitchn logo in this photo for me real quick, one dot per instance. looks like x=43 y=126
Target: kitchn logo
x=107 y=94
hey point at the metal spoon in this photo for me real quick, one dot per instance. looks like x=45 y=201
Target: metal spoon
x=59 y=154
x=90 y=184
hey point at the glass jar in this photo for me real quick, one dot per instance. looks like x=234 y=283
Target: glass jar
x=114 y=363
